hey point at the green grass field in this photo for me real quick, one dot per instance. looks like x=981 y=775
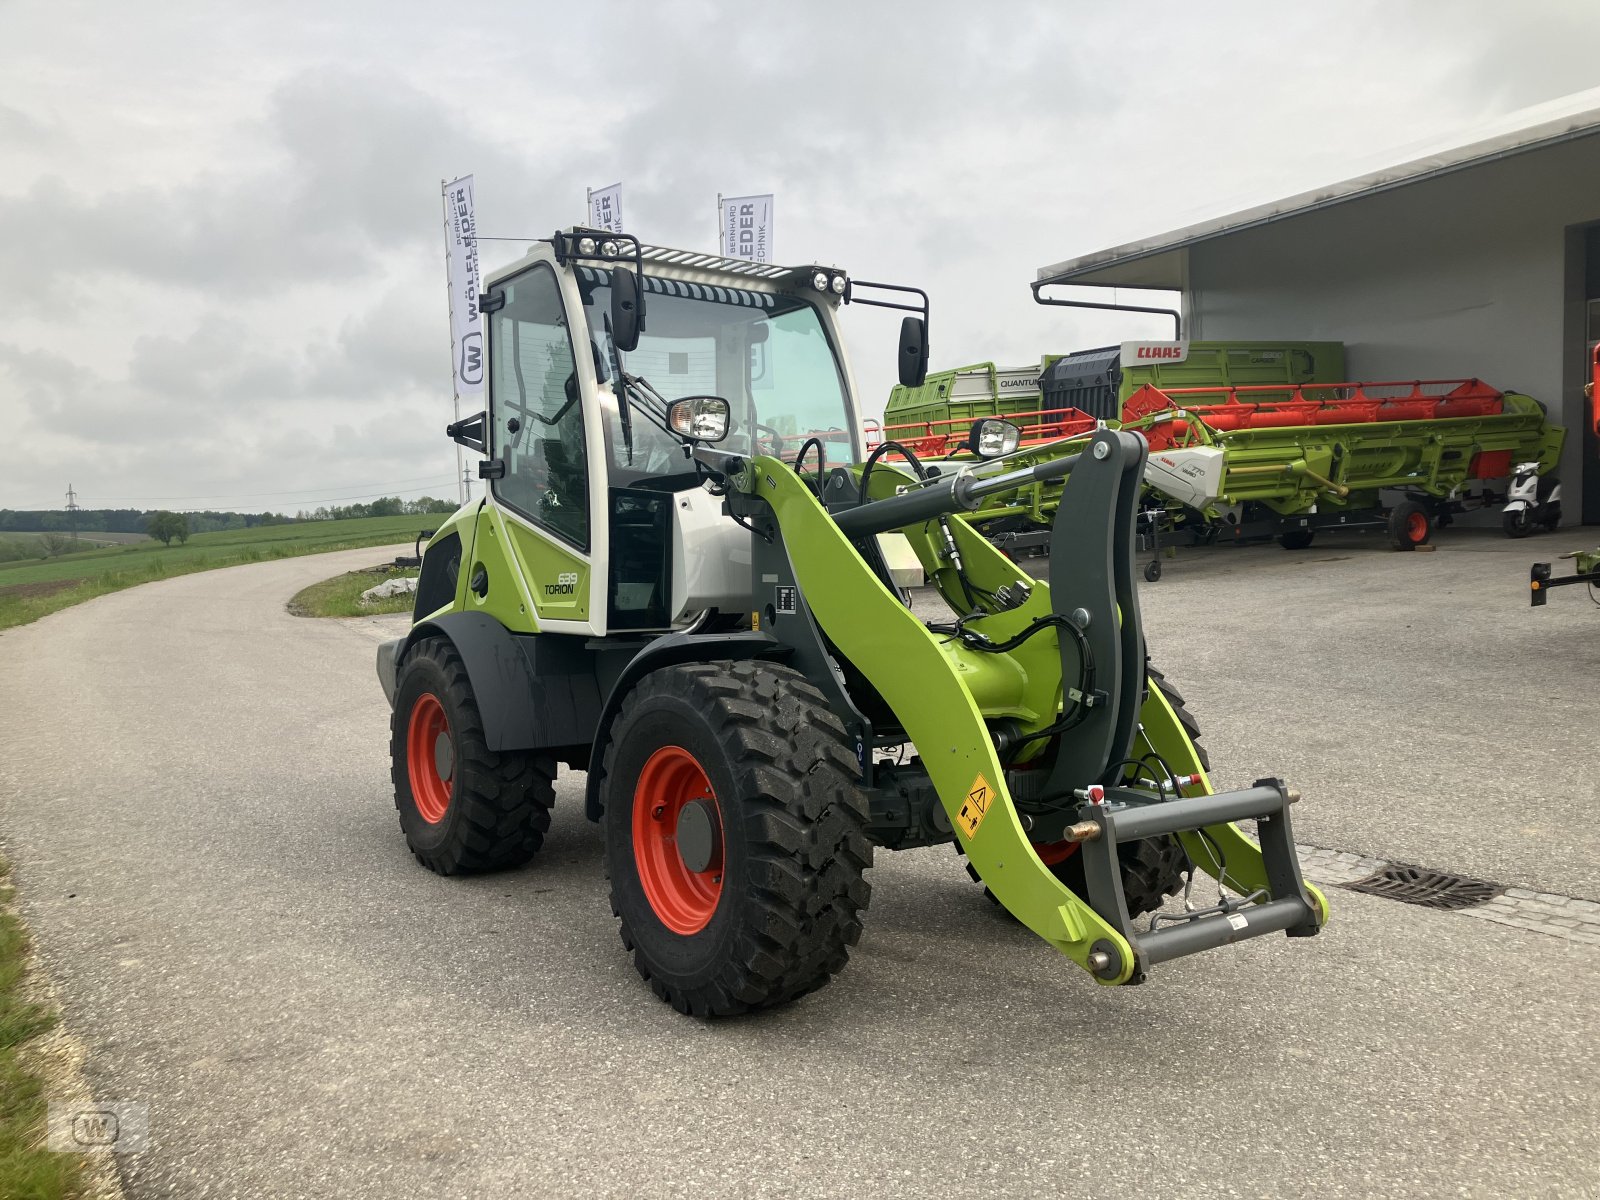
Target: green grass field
x=29 y=589
x=341 y=596
x=30 y=546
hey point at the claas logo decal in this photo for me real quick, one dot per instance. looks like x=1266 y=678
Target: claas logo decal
x=1154 y=352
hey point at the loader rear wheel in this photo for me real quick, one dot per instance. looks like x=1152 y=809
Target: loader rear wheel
x=463 y=808
x=735 y=834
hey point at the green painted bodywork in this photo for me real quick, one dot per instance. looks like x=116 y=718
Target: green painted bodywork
x=532 y=575
x=942 y=692
x=508 y=599
x=557 y=577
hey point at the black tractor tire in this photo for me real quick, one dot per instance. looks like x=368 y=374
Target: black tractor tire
x=1296 y=539
x=1152 y=869
x=767 y=908
x=463 y=808
x=1410 y=525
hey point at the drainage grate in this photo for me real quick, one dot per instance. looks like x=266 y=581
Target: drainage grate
x=1431 y=889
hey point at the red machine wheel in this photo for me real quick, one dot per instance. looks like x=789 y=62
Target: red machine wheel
x=673 y=792
x=462 y=806
x=1054 y=853
x=1409 y=525
x=430 y=758
x=735 y=833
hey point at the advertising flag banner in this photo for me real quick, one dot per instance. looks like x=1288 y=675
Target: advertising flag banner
x=605 y=208
x=746 y=227
x=461 y=272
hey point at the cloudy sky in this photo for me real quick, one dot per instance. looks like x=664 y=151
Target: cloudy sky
x=221 y=251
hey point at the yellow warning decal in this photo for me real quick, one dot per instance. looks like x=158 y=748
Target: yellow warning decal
x=979 y=797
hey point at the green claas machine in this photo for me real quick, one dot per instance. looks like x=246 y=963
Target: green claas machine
x=1067 y=392
x=1289 y=460
x=1319 y=456
x=675 y=584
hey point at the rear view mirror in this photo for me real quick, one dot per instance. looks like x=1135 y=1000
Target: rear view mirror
x=913 y=352
x=627 y=308
x=699 y=418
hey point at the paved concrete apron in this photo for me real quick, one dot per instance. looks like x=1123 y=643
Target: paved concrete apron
x=195 y=790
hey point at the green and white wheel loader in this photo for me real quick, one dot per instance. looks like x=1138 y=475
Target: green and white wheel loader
x=675 y=583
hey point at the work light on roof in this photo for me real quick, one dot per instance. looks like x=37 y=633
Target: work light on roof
x=820 y=281
x=837 y=285
x=608 y=249
x=586 y=246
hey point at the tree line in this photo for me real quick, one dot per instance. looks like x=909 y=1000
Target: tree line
x=136 y=520
x=383 y=506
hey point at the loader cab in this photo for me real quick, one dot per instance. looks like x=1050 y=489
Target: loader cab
x=599 y=502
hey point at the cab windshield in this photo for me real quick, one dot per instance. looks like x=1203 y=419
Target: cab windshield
x=767 y=355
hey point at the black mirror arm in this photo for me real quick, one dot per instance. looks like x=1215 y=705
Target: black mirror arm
x=469 y=431
x=921 y=309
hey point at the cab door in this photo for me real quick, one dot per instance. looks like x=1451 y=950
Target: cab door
x=543 y=506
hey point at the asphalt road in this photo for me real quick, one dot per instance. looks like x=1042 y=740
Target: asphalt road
x=195 y=792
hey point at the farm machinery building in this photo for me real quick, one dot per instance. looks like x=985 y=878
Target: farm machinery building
x=1480 y=259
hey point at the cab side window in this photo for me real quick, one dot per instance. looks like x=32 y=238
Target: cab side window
x=538 y=420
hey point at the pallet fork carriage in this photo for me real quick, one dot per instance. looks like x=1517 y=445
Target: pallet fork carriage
x=677 y=583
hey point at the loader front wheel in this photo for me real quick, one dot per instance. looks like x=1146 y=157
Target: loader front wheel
x=735 y=834
x=463 y=808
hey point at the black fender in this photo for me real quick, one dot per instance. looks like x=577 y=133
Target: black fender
x=668 y=651
x=534 y=691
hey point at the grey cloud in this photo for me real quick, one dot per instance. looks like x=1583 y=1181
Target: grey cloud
x=349 y=177
x=401 y=343
x=948 y=144
x=20 y=128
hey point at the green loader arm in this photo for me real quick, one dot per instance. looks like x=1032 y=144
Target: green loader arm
x=942 y=698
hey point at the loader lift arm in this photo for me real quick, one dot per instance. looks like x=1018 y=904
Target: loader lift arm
x=954 y=704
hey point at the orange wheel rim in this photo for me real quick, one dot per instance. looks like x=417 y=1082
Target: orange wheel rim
x=430 y=758
x=1417 y=526
x=1054 y=853
x=682 y=899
